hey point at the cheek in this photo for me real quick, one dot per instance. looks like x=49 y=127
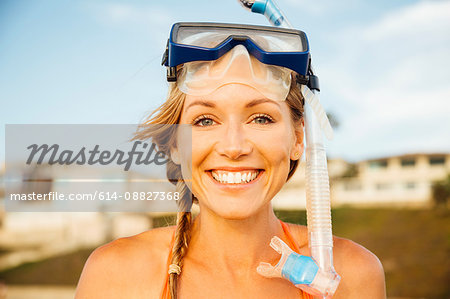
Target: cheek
x=185 y=150
x=200 y=149
x=202 y=146
x=275 y=145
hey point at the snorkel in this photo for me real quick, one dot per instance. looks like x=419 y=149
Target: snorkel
x=321 y=282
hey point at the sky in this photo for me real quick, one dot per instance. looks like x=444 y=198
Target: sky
x=384 y=66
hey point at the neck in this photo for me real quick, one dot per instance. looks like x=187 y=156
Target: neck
x=235 y=245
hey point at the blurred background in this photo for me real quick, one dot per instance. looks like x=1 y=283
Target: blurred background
x=384 y=68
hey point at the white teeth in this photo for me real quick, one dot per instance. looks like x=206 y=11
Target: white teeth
x=237 y=178
x=244 y=177
x=226 y=177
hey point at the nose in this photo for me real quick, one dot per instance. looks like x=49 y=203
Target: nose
x=234 y=143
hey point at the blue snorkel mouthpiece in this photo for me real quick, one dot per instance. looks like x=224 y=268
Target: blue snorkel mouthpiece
x=300 y=270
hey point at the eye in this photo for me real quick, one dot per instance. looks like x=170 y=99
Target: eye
x=262 y=119
x=203 y=121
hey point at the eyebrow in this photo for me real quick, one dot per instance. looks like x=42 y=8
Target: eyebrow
x=249 y=105
x=260 y=101
x=201 y=103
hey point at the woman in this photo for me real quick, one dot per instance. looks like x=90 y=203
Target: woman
x=246 y=119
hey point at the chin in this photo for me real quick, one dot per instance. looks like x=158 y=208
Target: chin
x=235 y=211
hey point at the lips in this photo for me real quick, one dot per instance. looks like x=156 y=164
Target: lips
x=235 y=176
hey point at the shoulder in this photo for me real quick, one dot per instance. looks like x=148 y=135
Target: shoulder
x=148 y=243
x=362 y=275
x=126 y=260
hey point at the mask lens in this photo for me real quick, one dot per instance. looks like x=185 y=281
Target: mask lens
x=269 y=41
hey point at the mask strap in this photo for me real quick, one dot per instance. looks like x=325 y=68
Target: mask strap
x=313 y=100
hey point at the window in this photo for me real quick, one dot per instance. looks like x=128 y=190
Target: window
x=438 y=160
x=378 y=164
x=408 y=162
x=352 y=186
x=410 y=185
x=382 y=186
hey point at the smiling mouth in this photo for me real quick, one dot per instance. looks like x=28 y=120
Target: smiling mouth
x=235 y=177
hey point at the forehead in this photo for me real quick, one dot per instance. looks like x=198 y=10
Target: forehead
x=234 y=98
x=233 y=90
x=233 y=94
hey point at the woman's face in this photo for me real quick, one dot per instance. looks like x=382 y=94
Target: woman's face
x=242 y=143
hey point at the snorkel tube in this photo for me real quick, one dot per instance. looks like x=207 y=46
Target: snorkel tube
x=324 y=281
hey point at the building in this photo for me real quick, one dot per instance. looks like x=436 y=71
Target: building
x=403 y=180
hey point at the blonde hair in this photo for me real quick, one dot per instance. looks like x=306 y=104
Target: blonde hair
x=164 y=117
